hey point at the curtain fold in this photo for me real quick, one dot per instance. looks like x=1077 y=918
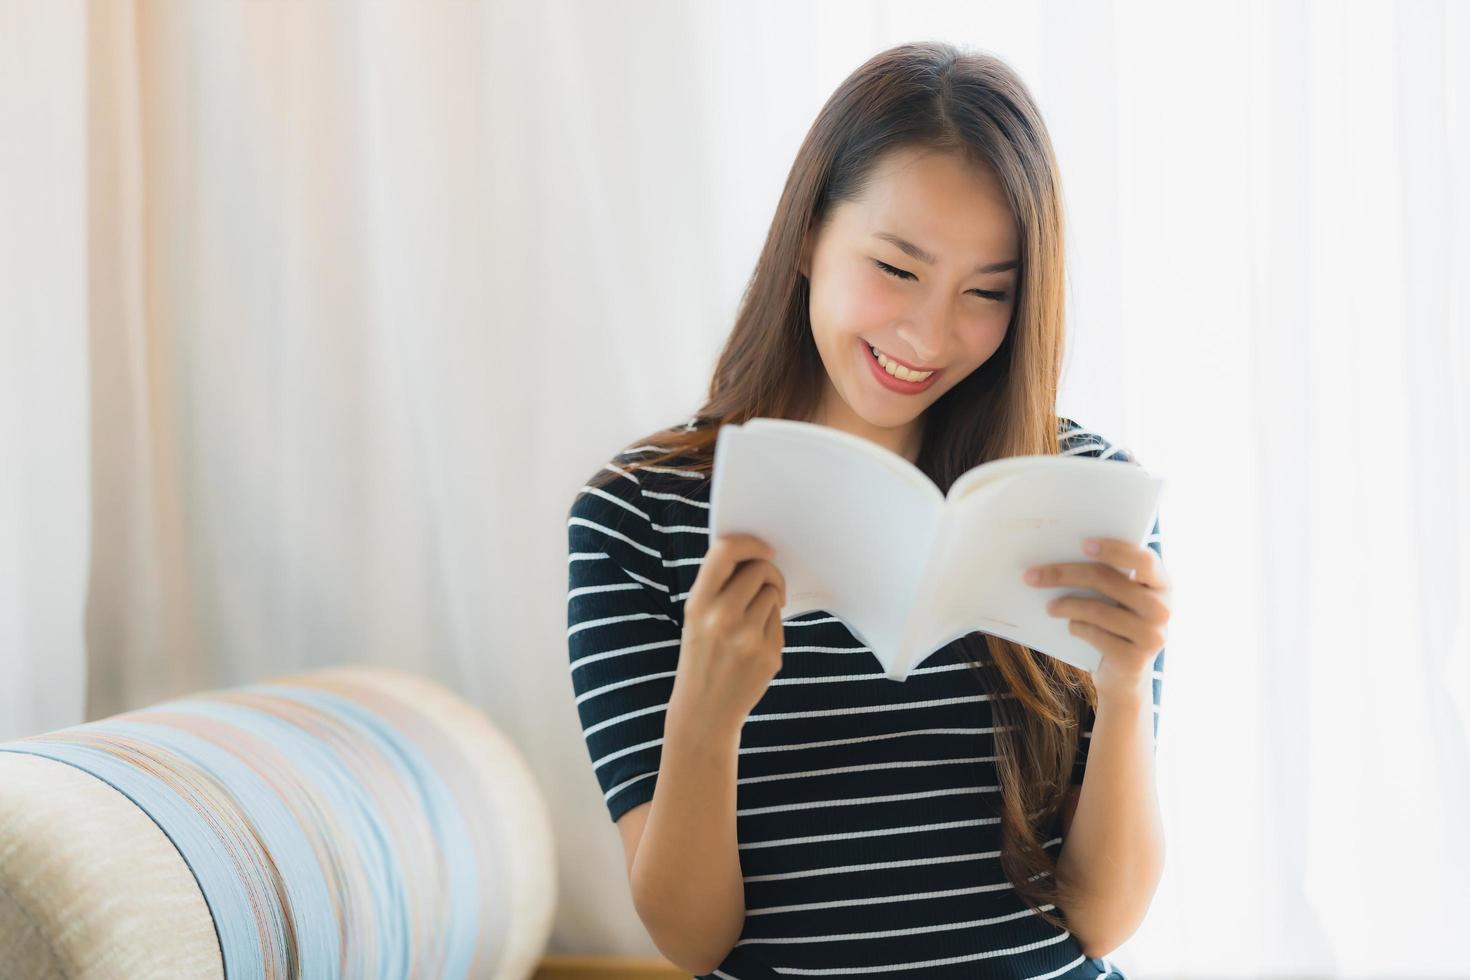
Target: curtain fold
x=44 y=399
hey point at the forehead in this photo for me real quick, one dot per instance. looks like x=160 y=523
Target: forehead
x=937 y=198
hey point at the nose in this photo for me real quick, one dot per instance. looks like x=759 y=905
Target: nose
x=926 y=334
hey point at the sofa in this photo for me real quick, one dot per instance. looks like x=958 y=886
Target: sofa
x=349 y=822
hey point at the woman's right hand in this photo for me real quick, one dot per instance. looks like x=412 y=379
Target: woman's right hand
x=732 y=639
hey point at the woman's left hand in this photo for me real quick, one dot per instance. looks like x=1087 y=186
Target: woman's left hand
x=1129 y=635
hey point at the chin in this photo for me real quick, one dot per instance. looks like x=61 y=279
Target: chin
x=890 y=416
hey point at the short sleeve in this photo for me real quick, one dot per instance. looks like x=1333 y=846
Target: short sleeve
x=622 y=637
x=1091 y=444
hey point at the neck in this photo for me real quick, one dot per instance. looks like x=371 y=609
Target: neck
x=904 y=440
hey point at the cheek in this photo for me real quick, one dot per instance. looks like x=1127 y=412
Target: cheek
x=985 y=337
x=855 y=304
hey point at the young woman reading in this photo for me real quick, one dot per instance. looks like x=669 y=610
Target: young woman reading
x=784 y=807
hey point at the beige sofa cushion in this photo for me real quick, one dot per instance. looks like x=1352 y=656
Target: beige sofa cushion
x=66 y=839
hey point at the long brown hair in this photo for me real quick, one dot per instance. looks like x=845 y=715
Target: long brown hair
x=930 y=96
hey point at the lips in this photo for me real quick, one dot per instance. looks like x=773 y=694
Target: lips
x=889 y=381
x=901 y=362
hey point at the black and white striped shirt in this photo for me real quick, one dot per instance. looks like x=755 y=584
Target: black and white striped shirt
x=869 y=842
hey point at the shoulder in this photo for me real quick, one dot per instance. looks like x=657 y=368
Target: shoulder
x=623 y=496
x=614 y=496
x=1076 y=439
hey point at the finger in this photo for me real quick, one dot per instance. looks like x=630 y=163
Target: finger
x=1105 y=641
x=1139 y=599
x=1120 y=622
x=1140 y=562
x=774 y=627
x=767 y=592
x=744 y=589
x=720 y=561
x=770 y=600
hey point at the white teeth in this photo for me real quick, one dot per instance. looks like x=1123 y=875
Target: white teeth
x=902 y=373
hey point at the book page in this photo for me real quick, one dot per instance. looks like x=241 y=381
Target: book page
x=851 y=531
x=808 y=433
x=983 y=474
x=1036 y=512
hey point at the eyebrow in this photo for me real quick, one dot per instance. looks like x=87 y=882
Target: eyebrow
x=930 y=259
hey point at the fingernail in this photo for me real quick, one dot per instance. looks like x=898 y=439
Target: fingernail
x=1091 y=546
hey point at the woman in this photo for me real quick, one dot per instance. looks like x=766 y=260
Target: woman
x=783 y=806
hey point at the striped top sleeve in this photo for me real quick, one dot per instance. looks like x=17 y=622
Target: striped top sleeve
x=1098 y=447
x=622 y=637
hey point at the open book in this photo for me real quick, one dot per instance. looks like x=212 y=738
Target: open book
x=862 y=533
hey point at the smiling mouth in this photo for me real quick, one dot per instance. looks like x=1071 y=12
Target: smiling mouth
x=892 y=381
x=901 y=363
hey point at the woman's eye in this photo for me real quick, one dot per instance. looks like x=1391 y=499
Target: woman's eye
x=999 y=297
x=897 y=273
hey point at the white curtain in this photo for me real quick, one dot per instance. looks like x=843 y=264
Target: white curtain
x=44 y=404
x=312 y=318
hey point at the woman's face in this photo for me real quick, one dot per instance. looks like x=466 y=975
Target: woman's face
x=941 y=304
